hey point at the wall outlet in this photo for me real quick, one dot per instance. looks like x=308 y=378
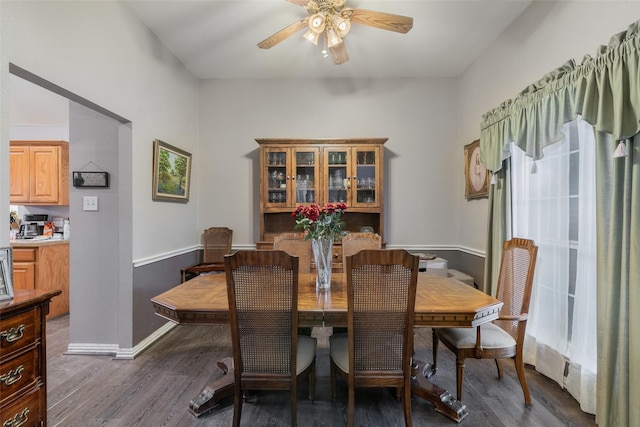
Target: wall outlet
x=90 y=203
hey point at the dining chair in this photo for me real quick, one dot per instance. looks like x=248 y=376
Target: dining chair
x=353 y=243
x=268 y=354
x=376 y=350
x=504 y=337
x=294 y=244
x=217 y=244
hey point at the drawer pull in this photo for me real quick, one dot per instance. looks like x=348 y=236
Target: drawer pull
x=18 y=420
x=13 y=334
x=12 y=376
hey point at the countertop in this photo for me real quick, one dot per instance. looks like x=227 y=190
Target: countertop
x=30 y=243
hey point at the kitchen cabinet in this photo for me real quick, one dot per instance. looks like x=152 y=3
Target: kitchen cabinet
x=39 y=173
x=43 y=266
x=23 y=358
x=305 y=171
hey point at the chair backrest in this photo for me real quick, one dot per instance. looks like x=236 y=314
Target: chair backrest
x=294 y=244
x=353 y=243
x=515 y=281
x=381 y=293
x=217 y=244
x=262 y=287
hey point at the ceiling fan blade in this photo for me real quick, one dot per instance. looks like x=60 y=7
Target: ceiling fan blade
x=339 y=53
x=282 y=34
x=385 y=21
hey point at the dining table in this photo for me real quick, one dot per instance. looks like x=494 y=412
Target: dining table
x=440 y=302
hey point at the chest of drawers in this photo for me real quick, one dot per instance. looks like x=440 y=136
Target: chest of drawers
x=23 y=393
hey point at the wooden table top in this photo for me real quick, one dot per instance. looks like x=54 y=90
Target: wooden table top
x=440 y=302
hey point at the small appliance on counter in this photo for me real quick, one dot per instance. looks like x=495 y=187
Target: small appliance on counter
x=32 y=225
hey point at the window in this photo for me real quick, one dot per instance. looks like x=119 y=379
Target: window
x=553 y=203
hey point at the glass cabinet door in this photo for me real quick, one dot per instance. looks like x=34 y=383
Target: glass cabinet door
x=366 y=177
x=338 y=174
x=305 y=176
x=277 y=177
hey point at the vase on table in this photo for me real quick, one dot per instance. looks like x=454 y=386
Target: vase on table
x=323 y=254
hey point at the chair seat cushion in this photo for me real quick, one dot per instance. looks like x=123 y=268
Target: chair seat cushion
x=492 y=336
x=339 y=351
x=306 y=352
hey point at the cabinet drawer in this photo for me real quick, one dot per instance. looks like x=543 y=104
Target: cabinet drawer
x=18 y=373
x=24 y=254
x=19 y=331
x=26 y=411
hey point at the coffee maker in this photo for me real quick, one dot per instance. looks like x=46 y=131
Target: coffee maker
x=33 y=225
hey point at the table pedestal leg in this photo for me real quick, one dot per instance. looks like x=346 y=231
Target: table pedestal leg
x=444 y=402
x=210 y=397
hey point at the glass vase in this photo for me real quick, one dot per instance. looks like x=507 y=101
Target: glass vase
x=323 y=254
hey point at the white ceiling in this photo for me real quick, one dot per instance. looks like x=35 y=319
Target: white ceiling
x=218 y=38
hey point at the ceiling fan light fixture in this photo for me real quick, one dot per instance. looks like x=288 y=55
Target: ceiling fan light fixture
x=312 y=36
x=317 y=22
x=341 y=25
x=333 y=38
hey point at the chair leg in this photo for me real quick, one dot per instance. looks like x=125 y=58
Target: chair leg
x=459 y=376
x=333 y=381
x=237 y=406
x=312 y=382
x=519 y=359
x=434 y=348
x=294 y=402
x=352 y=406
x=406 y=406
x=499 y=367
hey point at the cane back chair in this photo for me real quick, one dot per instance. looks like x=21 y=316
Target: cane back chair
x=294 y=244
x=504 y=337
x=268 y=354
x=217 y=244
x=376 y=350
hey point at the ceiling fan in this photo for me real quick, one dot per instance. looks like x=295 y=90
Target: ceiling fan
x=333 y=20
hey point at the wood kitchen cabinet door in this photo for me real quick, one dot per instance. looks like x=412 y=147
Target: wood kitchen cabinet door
x=24 y=275
x=39 y=173
x=19 y=174
x=44 y=162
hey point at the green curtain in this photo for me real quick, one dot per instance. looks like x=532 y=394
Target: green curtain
x=618 y=257
x=605 y=91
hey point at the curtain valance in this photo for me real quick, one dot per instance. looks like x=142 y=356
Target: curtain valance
x=605 y=90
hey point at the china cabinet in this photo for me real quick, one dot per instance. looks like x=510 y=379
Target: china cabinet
x=305 y=171
x=39 y=173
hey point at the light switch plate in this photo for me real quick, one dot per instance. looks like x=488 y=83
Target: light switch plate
x=90 y=203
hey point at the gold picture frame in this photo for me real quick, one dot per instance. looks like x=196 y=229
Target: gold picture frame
x=476 y=176
x=171 y=173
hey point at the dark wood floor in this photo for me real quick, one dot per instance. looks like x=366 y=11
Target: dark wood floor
x=155 y=389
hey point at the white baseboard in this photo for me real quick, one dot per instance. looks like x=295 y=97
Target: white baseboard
x=115 y=350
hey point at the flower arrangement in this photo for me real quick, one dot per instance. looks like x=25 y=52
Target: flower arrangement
x=320 y=223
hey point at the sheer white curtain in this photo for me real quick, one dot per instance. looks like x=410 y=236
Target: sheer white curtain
x=553 y=203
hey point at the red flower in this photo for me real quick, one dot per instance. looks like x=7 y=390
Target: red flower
x=320 y=222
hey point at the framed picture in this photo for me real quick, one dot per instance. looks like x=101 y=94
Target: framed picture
x=475 y=174
x=171 y=173
x=6 y=274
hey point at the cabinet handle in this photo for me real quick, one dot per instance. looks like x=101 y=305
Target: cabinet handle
x=18 y=419
x=13 y=334
x=12 y=376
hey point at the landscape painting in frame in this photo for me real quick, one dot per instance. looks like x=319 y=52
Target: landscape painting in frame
x=171 y=173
